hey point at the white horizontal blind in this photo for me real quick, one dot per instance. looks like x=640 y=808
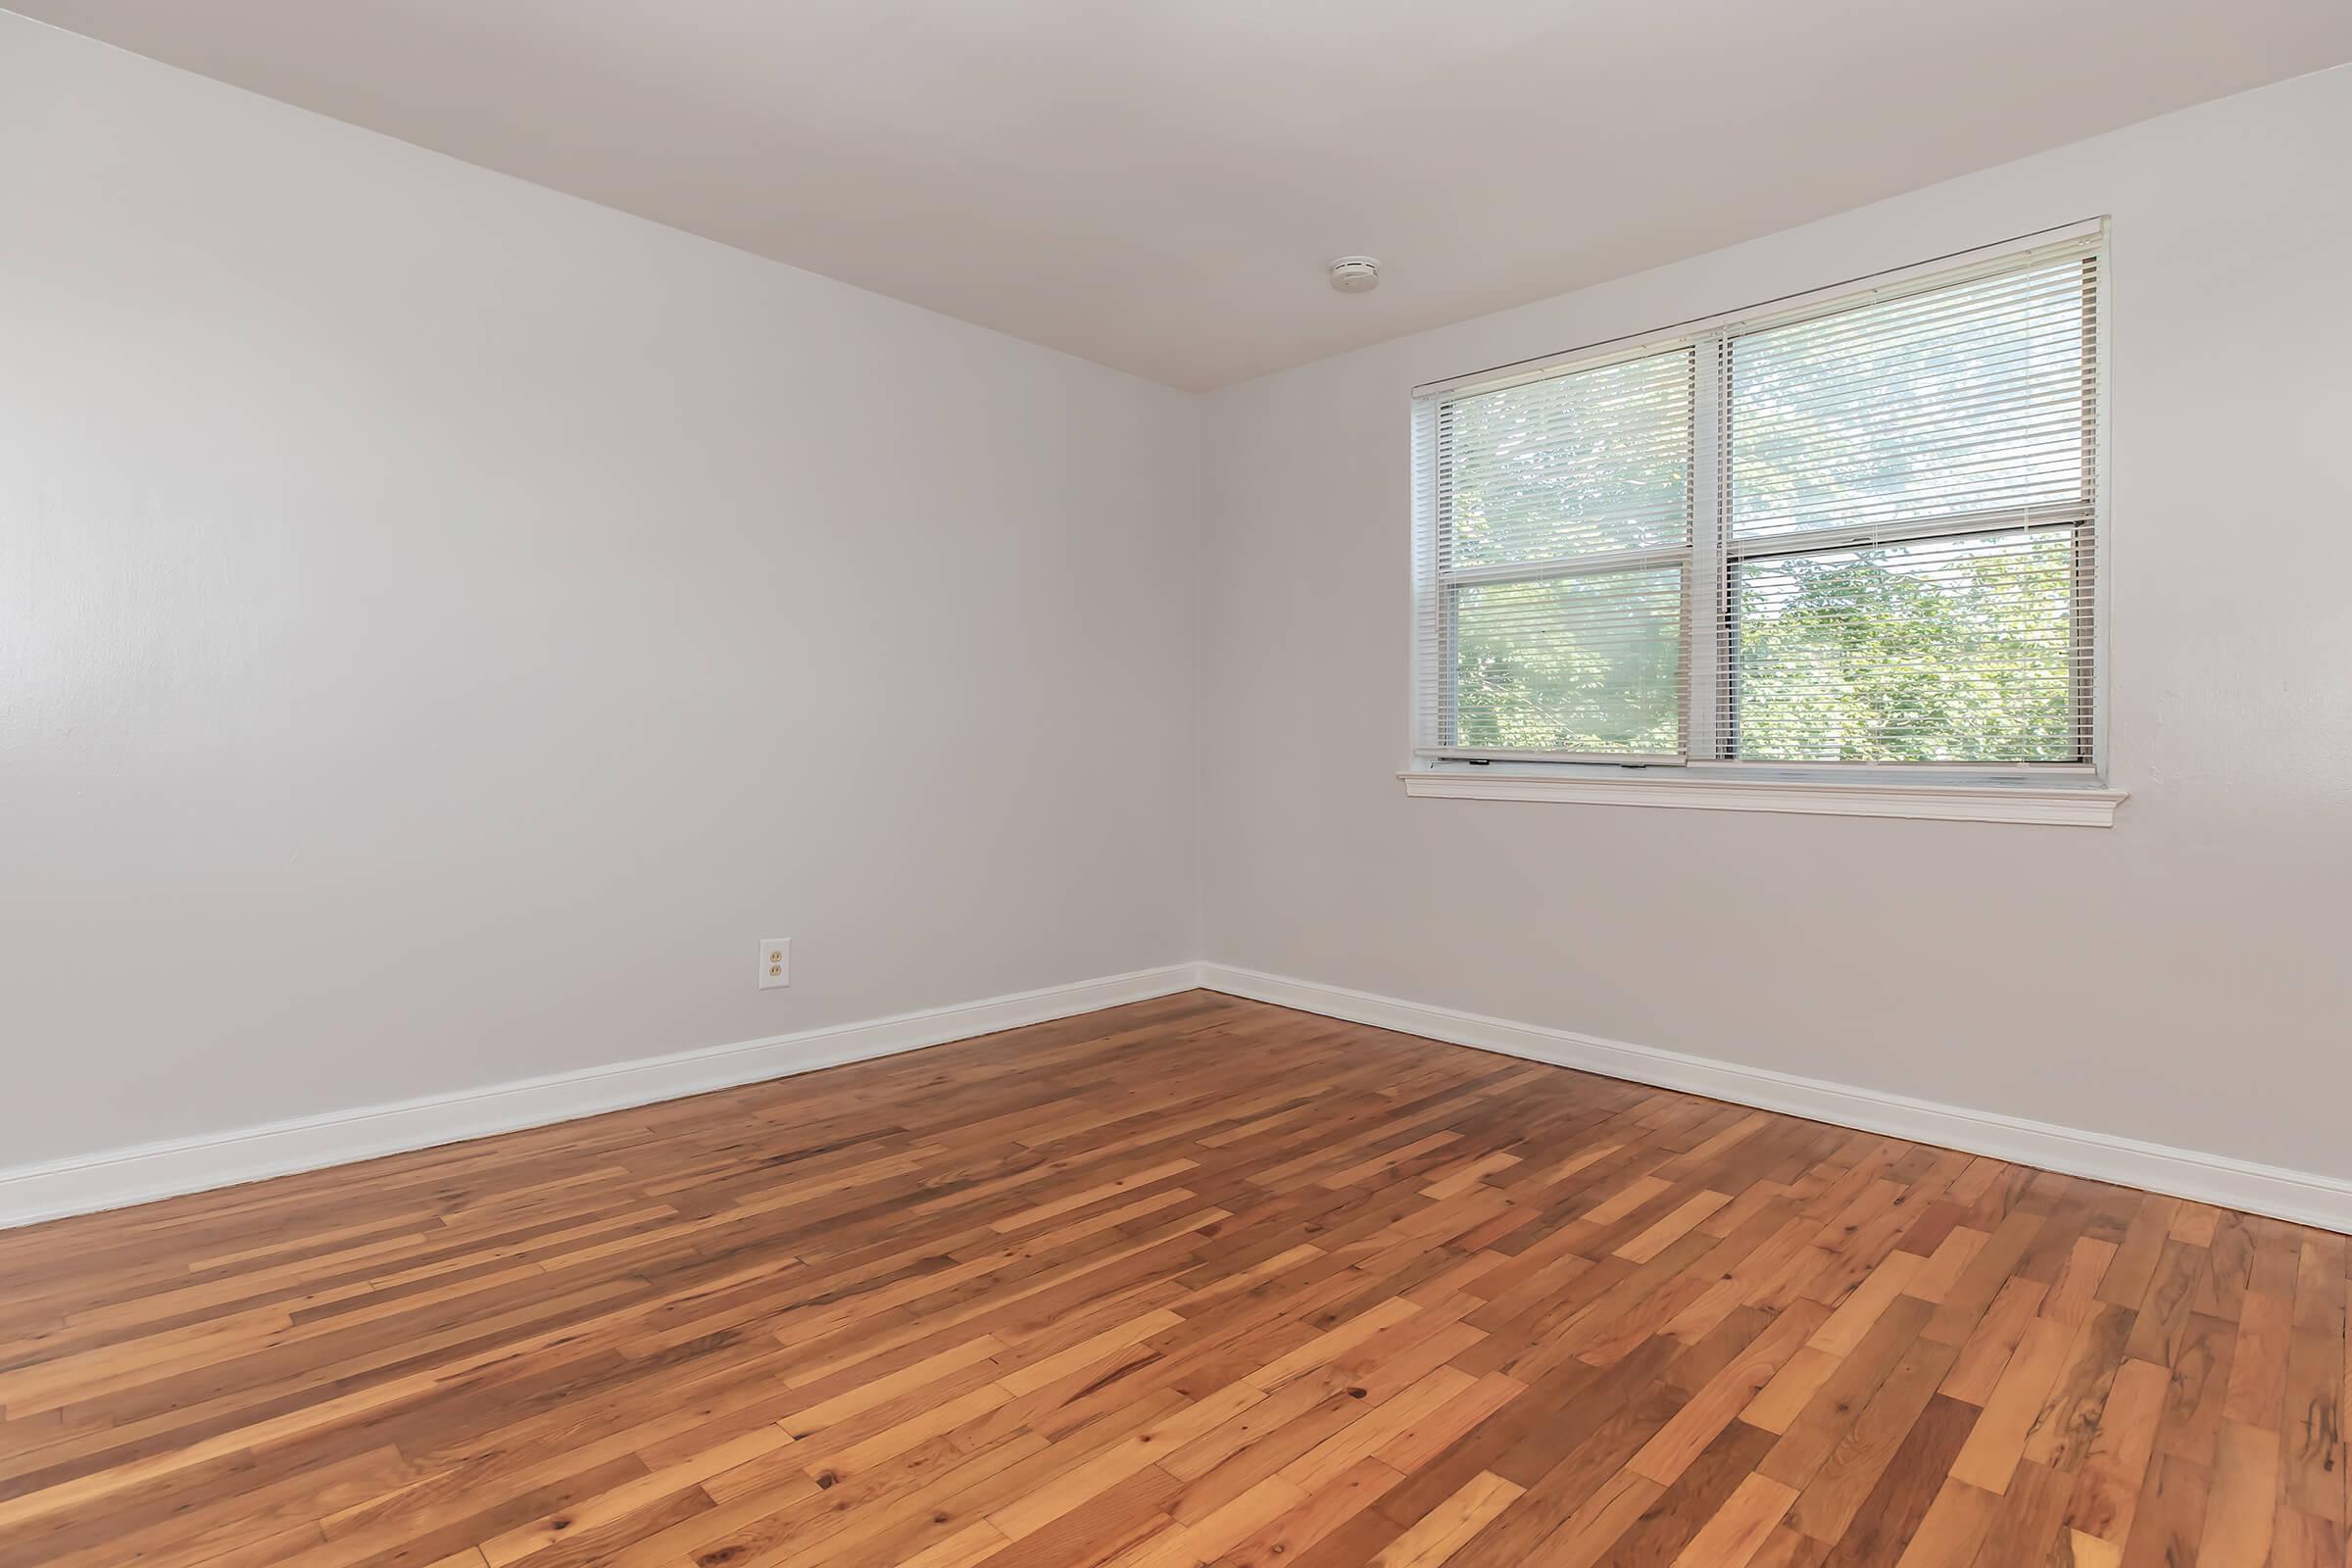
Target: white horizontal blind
x=1883 y=555
x=1554 y=564
x=1909 y=499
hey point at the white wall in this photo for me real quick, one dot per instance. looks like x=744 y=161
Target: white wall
x=444 y=625
x=2181 y=978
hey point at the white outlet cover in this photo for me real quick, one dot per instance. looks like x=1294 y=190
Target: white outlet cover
x=775 y=962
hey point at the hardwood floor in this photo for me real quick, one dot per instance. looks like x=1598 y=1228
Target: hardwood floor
x=1193 y=1281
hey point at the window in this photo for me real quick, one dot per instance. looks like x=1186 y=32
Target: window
x=1852 y=537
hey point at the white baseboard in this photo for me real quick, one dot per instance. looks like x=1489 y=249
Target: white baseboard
x=30 y=1193
x=2300 y=1196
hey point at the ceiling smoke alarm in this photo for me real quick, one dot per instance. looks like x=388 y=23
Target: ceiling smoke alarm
x=1355 y=274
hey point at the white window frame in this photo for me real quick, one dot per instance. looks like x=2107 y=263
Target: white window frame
x=2075 y=793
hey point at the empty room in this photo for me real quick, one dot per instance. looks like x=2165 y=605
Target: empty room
x=1041 y=784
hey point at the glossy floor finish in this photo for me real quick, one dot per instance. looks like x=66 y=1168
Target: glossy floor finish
x=1193 y=1281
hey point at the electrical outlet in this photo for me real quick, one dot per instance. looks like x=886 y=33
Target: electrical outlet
x=775 y=962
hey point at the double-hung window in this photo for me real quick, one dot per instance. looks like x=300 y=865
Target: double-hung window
x=1849 y=539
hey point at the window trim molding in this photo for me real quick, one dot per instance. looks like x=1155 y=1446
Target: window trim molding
x=2083 y=804
x=1812 y=787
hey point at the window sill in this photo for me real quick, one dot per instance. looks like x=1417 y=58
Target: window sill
x=2055 y=805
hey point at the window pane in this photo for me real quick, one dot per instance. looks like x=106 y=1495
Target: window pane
x=1968 y=399
x=1570 y=663
x=1944 y=650
x=1577 y=465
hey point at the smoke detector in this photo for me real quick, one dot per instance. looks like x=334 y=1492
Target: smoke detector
x=1355 y=274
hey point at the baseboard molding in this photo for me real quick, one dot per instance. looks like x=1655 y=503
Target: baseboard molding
x=121 y=1177
x=2300 y=1196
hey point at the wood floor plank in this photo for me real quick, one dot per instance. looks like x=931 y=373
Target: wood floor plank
x=1193 y=1281
x=2241 y=1505
x=1445 y=1529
